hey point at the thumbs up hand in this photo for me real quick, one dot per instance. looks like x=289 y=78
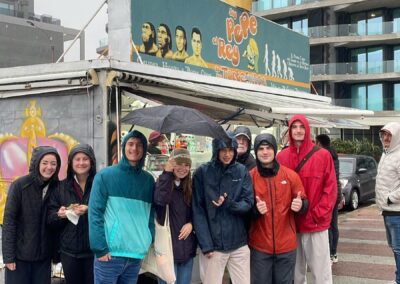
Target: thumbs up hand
x=261 y=206
x=297 y=203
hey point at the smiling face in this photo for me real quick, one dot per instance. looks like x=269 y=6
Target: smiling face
x=181 y=170
x=81 y=164
x=134 y=150
x=265 y=154
x=297 y=131
x=225 y=156
x=47 y=166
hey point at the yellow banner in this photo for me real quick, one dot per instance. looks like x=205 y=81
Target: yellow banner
x=245 y=4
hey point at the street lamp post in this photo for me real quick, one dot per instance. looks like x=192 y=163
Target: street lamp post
x=47 y=36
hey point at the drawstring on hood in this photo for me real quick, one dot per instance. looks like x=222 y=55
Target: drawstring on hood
x=269 y=139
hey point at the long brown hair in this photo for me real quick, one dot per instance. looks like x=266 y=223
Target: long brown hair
x=187 y=189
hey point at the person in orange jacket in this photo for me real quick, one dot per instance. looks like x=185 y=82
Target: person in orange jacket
x=279 y=195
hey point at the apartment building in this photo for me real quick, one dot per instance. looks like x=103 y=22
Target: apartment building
x=27 y=38
x=354 y=52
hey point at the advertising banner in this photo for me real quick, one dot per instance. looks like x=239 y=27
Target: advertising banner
x=212 y=38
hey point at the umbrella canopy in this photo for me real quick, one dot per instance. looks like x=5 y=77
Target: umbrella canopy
x=177 y=119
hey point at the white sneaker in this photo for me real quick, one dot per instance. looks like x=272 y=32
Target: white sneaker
x=334 y=258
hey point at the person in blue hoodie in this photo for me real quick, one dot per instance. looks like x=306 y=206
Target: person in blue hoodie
x=121 y=216
x=222 y=196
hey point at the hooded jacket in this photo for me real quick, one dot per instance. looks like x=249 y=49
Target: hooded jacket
x=25 y=234
x=388 y=179
x=221 y=228
x=318 y=178
x=121 y=217
x=74 y=239
x=247 y=158
x=275 y=231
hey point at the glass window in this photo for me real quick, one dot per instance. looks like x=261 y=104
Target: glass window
x=359 y=96
x=360 y=57
x=396 y=58
x=280 y=3
x=375 y=23
x=396 y=20
x=375 y=97
x=300 y=25
x=375 y=60
x=397 y=96
x=358 y=24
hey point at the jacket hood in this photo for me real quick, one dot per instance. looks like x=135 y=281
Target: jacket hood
x=134 y=134
x=243 y=130
x=37 y=155
x=394 y=129
x=307 y=143
x=85 y=149
x=218 y=144
x=270 y=139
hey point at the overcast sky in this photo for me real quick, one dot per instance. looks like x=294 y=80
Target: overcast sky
x=75 y=14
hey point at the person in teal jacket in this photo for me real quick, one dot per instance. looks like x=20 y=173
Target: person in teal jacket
x=121 y=222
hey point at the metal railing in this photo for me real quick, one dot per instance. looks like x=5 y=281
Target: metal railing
x=262 y=5
x=355 y=29
x=375 y=67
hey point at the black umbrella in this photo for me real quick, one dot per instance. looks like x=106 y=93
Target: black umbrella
x=177 y=119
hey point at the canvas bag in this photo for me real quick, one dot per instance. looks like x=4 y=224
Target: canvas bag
x=160 y=257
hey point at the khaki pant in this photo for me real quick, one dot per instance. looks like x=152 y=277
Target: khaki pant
x=238 y=262
x=313 y=251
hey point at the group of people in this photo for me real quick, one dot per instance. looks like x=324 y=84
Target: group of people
x=159 y=43
x=264 y=218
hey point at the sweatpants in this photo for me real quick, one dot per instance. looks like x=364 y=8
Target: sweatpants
x=272 y=268
x=313 y=251
x=238 y=262
x=29 y=272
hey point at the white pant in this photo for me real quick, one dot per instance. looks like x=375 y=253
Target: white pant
x=313 y=250
x=238 y=261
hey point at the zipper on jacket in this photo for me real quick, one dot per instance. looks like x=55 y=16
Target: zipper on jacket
x=272 y=215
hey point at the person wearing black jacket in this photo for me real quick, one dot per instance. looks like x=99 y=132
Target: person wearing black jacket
x=324 y=141
x=27 y=246
x=174 y=188
x=243 y=138
x=72 y=197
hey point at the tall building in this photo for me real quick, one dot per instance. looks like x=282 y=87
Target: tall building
x=27 y=38
x=354 y=52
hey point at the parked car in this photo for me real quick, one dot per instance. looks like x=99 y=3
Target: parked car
x=357 y=174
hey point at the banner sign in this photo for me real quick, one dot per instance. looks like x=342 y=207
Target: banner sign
x=212 y=38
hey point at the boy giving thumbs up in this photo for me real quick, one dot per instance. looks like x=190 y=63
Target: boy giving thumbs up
x=279 y=195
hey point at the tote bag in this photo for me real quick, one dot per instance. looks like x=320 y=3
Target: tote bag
x=160 y=258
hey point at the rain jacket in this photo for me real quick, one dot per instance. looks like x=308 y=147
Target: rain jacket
x=275 y=231
x=74 y=239
x=25 y=234
x=388 y=179
x=318 y=178
x=221 y=228
x=121 y=217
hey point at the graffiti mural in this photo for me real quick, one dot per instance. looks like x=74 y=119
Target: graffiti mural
x=16 y=150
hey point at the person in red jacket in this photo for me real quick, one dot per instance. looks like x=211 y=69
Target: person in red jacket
x=279 y=196
x=319 y=180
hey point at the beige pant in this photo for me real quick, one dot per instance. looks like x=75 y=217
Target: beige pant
x=238 y=262
x=313 y=250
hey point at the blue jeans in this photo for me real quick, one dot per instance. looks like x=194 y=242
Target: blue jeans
x=118 y=270
x=183 y=272
x=392 y=224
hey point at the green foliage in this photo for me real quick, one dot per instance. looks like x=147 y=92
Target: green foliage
x=357 y=147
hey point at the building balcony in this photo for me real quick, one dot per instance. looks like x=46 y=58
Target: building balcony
x=278 y=9
x=356 y=71
x=355 y=34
